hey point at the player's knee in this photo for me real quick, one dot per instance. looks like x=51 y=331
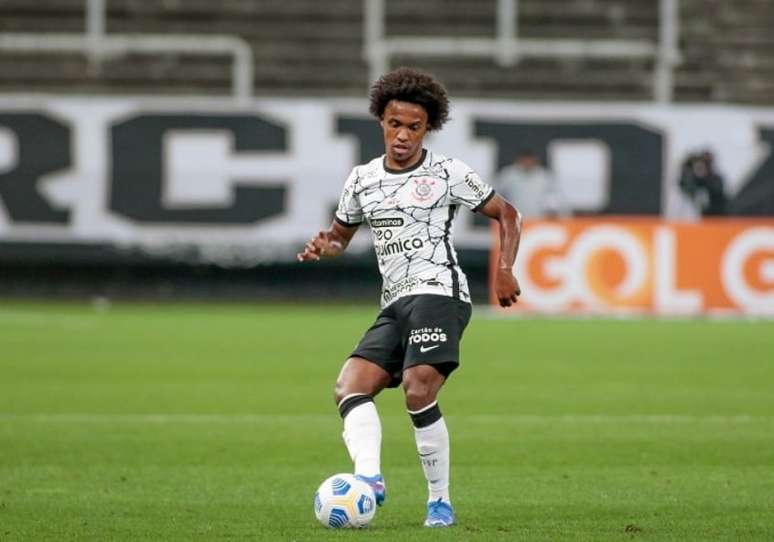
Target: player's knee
x=339 y=390
x=419 y=393
x=351 y=381
x=417 y=399
x=344 y=382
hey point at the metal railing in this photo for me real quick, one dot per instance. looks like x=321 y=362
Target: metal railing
x=98 y=45
x=507 y=48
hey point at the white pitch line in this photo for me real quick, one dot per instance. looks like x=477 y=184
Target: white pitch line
x=614 y=418
x=31 y=319
x=160 y=418
x=275 y=418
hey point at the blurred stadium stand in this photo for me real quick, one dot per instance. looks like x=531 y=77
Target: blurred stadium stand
x=307 y=47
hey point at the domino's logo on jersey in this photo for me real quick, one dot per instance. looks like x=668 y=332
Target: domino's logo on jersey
x=429 y=338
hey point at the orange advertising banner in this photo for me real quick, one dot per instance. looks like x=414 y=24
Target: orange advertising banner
x=645 y=265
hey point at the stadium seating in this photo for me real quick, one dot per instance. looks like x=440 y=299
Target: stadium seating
x=309 y=47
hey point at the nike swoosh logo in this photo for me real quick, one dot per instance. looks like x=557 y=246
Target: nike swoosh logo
x=425 y=455
x=423 y=349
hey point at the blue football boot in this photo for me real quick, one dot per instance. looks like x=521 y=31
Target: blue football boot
x=377 y=484
x=439 y=514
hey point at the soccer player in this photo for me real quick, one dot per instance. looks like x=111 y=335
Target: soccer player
x=409 y=198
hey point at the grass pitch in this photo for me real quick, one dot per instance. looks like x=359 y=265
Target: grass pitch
x=202 y=422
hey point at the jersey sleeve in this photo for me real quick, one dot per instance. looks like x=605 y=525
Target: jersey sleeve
x=349 y=212
x=466 y=187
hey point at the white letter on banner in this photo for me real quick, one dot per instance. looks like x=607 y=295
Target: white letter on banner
x=667 y=298
x=539 y=237
x=732 y=274
x=9 y=150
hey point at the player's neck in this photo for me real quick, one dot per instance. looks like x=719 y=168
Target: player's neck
x=394 y=166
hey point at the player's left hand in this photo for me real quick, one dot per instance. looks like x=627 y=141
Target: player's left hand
x=322 y=244
x=506 y=286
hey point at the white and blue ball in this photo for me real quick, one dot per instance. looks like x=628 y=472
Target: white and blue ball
x=344 y=501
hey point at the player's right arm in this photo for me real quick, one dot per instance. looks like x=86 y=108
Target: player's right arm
x=329 y=243
x=467 y=188
x=349 y=216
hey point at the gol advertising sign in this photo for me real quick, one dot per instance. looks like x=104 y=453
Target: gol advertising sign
x=645 y=265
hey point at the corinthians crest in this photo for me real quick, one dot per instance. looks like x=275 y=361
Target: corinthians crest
x=423 y=189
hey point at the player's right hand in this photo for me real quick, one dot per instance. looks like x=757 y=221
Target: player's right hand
x=506 y=287
x=322 y=244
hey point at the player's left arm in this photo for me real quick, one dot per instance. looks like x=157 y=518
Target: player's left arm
x=506 y=286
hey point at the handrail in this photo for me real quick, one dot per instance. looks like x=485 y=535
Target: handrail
x=507 y=48
x=97 y=45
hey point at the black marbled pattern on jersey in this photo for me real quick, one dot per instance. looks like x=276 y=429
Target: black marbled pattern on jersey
x=411 y=217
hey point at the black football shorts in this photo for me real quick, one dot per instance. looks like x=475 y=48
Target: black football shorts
x=421 y=329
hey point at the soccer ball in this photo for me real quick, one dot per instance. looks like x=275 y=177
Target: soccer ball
x=344 y=501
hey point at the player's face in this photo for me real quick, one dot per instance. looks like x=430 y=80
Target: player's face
x=404 y=125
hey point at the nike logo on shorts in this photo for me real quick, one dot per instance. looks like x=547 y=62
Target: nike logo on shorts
x=424 y=349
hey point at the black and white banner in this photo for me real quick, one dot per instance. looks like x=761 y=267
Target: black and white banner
x=200 y=179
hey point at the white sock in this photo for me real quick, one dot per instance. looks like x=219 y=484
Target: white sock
x=363 y=437
x=433 y=448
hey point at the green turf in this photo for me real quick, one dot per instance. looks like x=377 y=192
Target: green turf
x=201 y=422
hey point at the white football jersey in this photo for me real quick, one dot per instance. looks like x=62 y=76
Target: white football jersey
x=411 y=213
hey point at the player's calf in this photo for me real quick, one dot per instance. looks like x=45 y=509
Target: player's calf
x=432 y=439
x=363 y=437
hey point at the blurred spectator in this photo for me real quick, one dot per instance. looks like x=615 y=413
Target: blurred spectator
x=703 y=185
x=529 y=185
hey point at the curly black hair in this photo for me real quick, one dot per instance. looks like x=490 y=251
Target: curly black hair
x=413 y=86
